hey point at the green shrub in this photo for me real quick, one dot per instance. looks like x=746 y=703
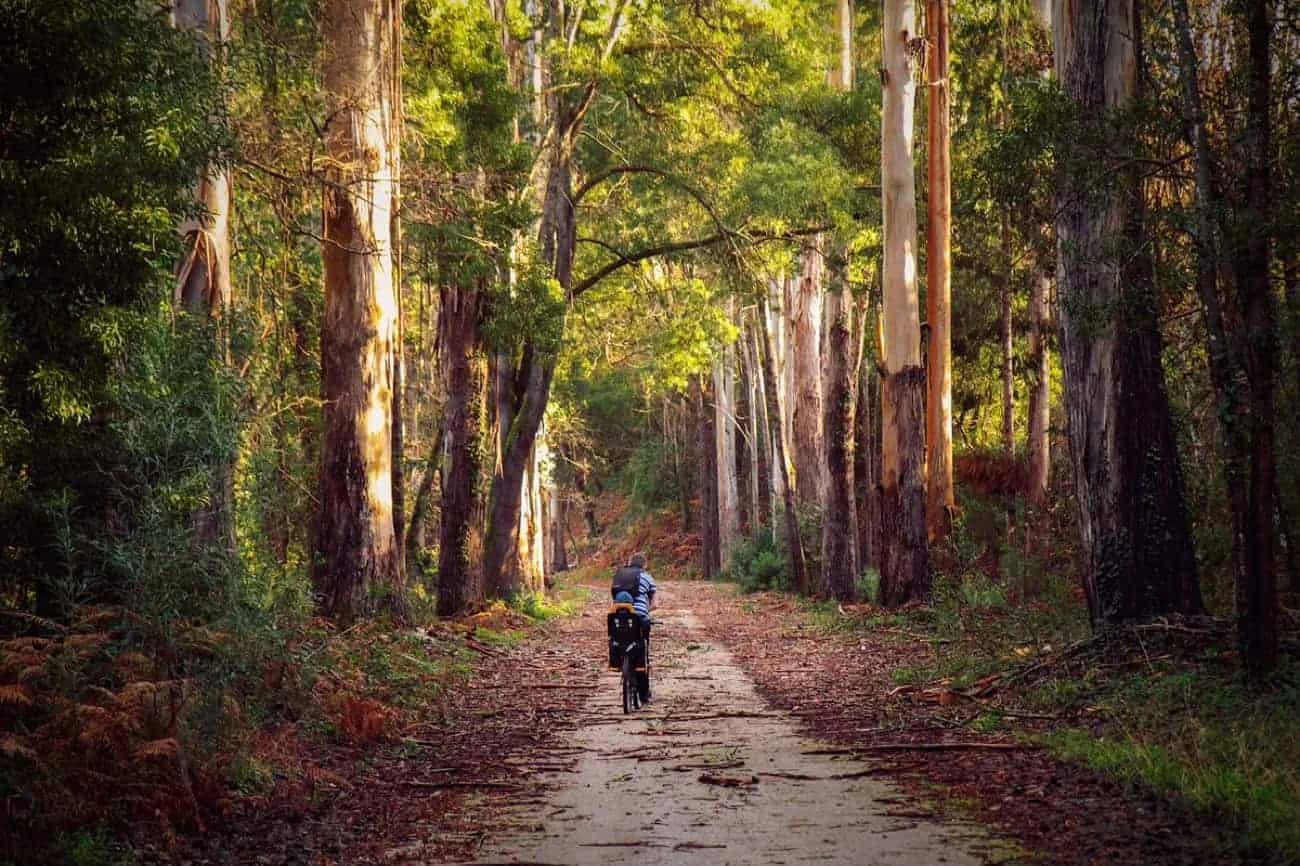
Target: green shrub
x=868 y=586
x=756 y=563
x=650 y=478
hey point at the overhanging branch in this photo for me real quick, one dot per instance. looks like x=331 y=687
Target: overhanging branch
x=626 y=259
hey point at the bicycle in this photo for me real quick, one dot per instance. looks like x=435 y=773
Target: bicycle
x=628 y=644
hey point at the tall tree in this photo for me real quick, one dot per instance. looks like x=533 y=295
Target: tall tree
x=905 y=572
x=1127 y=473
x=804 y=327
x=562 y=112
x=355 y=545
x=839 y=568
x=1039 y=443
x=463 y=372
x=940 y=500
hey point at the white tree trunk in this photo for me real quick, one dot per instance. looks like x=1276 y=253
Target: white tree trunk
x=905 y=568
x=203 y=277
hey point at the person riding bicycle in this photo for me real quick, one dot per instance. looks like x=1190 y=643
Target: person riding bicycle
x=633 y=584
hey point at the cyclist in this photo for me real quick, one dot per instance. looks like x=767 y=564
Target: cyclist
x=633 y=583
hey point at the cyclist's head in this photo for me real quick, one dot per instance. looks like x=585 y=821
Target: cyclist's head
x=637 y=560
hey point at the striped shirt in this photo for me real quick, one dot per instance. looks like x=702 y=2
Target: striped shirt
x=645 y=591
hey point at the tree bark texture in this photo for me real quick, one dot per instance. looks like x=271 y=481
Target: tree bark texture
x=203 y=277
x=839 y=570
x=1127 y=474
x=866 y=463
x=906 y=561
x=505 y=569
x=724 y=405
x=706 y=439
x=356 y=545
x=805 y=325
x=463 y=371
x=940 y=498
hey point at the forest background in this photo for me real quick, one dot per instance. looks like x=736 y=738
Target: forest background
x=323 y=320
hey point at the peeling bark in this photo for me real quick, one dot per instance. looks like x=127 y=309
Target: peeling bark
x=905 y=573
x=355 y=546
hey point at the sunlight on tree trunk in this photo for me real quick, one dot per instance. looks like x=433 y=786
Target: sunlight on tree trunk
x=940 y=501
x=355 y=546
x=905 y=574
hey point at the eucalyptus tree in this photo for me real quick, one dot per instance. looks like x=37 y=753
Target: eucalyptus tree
x=356 y=542
x=940 y=498
x=905 y=573
x=1140 y=559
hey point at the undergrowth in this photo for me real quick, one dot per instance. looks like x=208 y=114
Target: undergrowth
x=1224 y=746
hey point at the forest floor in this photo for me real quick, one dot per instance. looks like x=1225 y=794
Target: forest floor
x=771 y=739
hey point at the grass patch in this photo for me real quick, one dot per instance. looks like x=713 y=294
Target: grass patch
x=1204 y=734
x=505 y=637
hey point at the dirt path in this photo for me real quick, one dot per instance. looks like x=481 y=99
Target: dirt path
x=710 y=774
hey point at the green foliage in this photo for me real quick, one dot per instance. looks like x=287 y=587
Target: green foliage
x=109 y=115
x=92 y=848
x=651 y=475
x=757 y=565
x=867 y=586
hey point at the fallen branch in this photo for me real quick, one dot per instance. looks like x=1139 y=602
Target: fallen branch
x=728 y=781
x=505 y=786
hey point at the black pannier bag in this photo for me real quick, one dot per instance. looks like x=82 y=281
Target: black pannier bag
x=624 y=628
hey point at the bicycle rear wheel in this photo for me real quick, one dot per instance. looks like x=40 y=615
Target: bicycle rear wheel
x=630 y=699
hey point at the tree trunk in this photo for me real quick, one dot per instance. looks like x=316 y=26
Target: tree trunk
x=805 y=315
x=839 y=571
x=355 y=545
x=461 y=310
x=1040 y=394
x=1127 y=474
x=839 y=568
x=906 y=562
x=398 y=604
x=1257 y=595
x=710 y=551
x=504 y=569
x=588 y=501
x=724 y=405
x=940 y=499
x=866 y=458
x=203 y=285
x=793 y=540
x=1006 y=332
x=763 y=464
x=558 y=512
